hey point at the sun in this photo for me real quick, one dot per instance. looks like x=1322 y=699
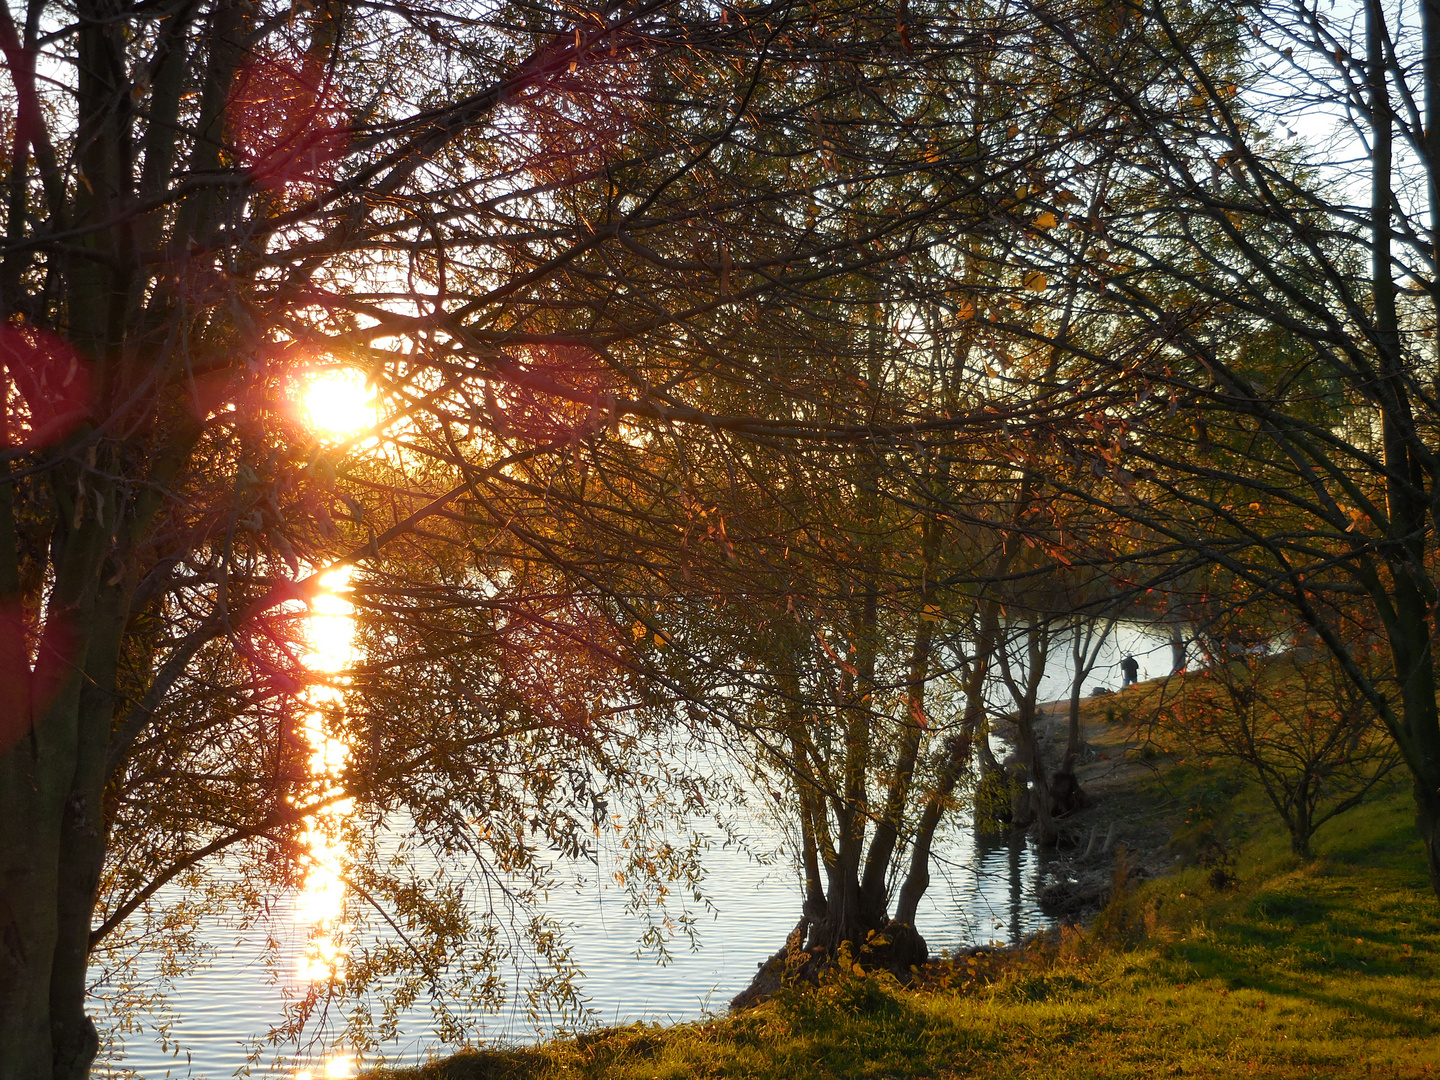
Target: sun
x=337 y=403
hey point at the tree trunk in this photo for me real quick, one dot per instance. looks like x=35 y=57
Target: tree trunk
x=1427 y=822
x=53 y=849
x=83 y=841
x=1075 y=735
x=887 y=828
x=1032 y=758
x=1408 y=624
x=1301 y=820
x=957 y=761
x=847 y=915
x=32 y=800
x=52 y=839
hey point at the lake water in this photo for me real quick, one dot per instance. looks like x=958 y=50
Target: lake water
x=979 y=893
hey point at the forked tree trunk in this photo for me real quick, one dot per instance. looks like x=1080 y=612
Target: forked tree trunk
x=875 y=882
x=1084 y=653
x=846 y=917
x=52 y=829
x=1024 y=691
x=955 y=763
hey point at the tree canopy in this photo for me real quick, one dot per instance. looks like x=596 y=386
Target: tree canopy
x=744 y=371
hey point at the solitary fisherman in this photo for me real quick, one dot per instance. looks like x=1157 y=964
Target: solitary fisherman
x=1129 y=672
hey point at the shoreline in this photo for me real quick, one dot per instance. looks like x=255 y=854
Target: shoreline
x=1115 y=768
x=1215 y=952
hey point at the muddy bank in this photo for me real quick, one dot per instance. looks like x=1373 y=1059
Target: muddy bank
x=1124 y=813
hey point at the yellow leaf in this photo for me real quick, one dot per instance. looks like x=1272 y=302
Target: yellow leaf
x=659 y=641
x=1013 y=131
x=931 y=613
x=1035 y=281
x=965 y=310
x=637 y=631
x=1045 y=221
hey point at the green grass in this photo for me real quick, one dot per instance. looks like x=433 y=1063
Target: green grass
x=1321 y=969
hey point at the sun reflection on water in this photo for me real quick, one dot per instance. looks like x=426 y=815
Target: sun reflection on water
x=336 y=403
x=340 y=1065
x=320 y=904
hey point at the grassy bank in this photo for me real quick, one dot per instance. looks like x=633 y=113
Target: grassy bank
x=1287 y=969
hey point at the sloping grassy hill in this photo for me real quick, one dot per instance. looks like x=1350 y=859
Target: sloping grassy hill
x=1287 y=970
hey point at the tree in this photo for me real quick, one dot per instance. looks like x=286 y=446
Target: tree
x=1282 y=315
x=1299 y=724
x=537 y=232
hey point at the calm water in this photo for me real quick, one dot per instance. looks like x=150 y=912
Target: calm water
x=978 y=894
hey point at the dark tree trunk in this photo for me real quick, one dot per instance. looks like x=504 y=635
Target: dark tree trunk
x=1035 y=793
x=1427 y=822
x=958 y=756
x=887 y=828
x=1033 y=761
x=1300 y=834
x=1409 y=607
x=52 y=835
x=83 y=840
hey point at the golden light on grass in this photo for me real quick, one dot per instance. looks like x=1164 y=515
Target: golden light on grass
x=337 y=403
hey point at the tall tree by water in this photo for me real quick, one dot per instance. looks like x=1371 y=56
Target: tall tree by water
x=535 y=231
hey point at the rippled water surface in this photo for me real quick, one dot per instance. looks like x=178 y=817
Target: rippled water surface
x=978 y=894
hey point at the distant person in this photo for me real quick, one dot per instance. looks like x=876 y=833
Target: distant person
x=1129 y=672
